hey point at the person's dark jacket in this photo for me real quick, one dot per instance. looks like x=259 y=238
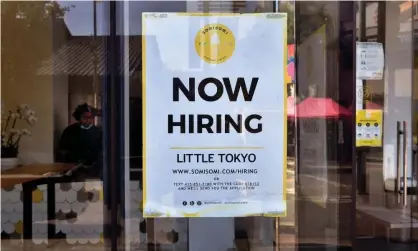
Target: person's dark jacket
x=78 y=145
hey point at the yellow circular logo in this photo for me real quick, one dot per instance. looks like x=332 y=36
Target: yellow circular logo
x=215 y=43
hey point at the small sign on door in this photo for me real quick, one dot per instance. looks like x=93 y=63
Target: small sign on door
x=370 y=60
x=369 y=128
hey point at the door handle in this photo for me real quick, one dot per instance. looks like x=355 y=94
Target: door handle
x=405 y=164
x=401 y=156
x=398 y=164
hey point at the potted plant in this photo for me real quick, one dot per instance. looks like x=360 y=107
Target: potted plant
x=11 y=135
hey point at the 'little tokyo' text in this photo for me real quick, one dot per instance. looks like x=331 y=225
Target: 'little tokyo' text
x=221 y=157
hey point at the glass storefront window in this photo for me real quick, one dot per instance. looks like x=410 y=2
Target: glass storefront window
x=72 y=130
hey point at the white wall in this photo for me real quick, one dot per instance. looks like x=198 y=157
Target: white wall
x=60 y=104
x=48 y=97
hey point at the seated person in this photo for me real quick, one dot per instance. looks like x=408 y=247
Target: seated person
x=81 y=142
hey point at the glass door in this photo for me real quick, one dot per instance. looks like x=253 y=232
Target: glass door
x=386 y=169
x=320 y=100
x=324 y=114
x=316 y=203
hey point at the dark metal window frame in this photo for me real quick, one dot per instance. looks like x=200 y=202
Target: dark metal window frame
x=113 y=132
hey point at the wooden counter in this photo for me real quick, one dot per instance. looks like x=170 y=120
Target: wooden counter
x=25 y=173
